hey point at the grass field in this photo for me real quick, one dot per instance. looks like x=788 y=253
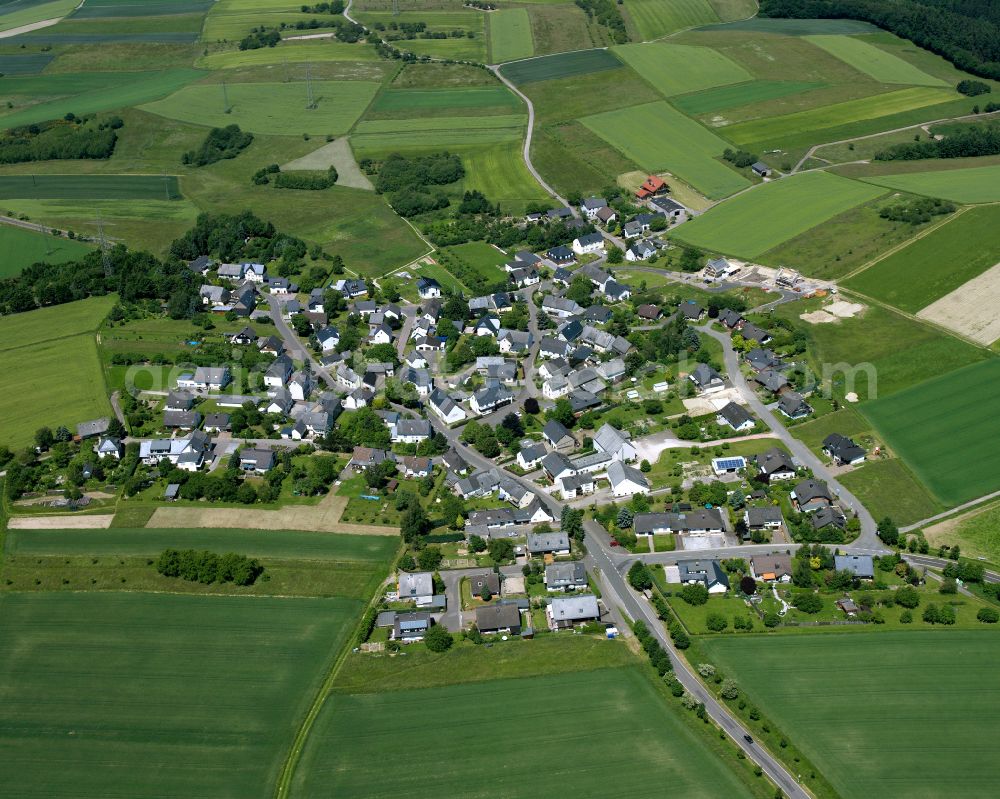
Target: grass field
x=24 y=64
x=27 y=12
x=135 y=8
x=234 y=19
x=89 y=187
x=679 y=69
x=929 y=268
x=763 y=218
x=510 y=35
x=878 y=64
x=775 y=129
x=654 y=18
x=561 y=750
x=482 y=258
x=438 y=122
x=895 y=350
x=23 y=248
x=973 y=185
x=405 y=103
x=434 y=140
x=976 y=532
x=57 y=365
x=939 y=428
x=128 y=90
x=499 y=173
x=276 y=108
x=723 y=97
x=916 y=708
x=887 y=488
x=192 y=714
x=657 y=138
x=290 y=52
x=563 y=65
x=798 y=27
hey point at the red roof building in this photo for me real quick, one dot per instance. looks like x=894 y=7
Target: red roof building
x=652 y=186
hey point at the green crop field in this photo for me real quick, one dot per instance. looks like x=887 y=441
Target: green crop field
x=140 y=8
x=380 y=144
x=939 y=428
x=231 y=20
x=275 y=108
x=798 y=27
x=658 y=137
x=254 y=543
x=23 y=248
x=977 y=533
x=57 y=321
x=874 y=62
x=556 y=729
x=404 y=103
x=563 y=65
x=438 y=122
x=499 y=173
x=975 y=185
x=924 y=271
x=24 y=64
x=128 y=90
x=28 y=12
x=760 y=219
x=923 y=701
x=510 y=35
x=888 y=488
x=655 y=18
x=157 y=695
x=758 y=91
x=89 y=187
x=678 y=69
x=774 y=129
x=289 y=52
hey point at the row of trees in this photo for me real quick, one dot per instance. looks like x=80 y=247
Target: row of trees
x=63 y=139
x=966 y=32
x=208 y=567
x=968 y=142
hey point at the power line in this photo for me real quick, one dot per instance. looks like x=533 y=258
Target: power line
x=225 y=99
x=103 y=244
x=310 y=100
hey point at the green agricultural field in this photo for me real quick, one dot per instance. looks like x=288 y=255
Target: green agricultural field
x=977 y=533
x=657 y=138
x=654 y=18
x=510 y=35
x=776 y=129
x=27 y=12
x=927 y=708
x=445 y=123
x=878 y=64
x=482 y=258
x=975 y=185
x=24 y=64
x=482 y=100
x=23 y=248
x=499 y=173
x=563 y=65
x=679 y=69
x=138 y=8
x=760 y=219
x=758 y=91
x=937 y=264
x=89 y=187
x=846 y=421
x=281 y=544
x=798 y=27
x=434 y=140
x=231 y=20
x=194 y=713
x=128 y=90
x=275 y=108
x=54 y=322
x=888 y=488
x=346 y=752
x=939 y=428
x=289 y=52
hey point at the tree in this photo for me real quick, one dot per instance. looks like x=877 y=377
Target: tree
x=716 y=622
x=501 y=550
x=562 y=412
x=44 y=438
x=694 y=593
x=748 y=585
x=809 y=603
x=888 y=532
x=639 y=577
x=414 y=523
x=615 y=254
x=625 y=519
x=988 y=615
x=429 y=558
x=438 y=639
x=907 y=597
x=771 y=620
x=378 y=474
x=571 y=521
x=531 y=406
x=948 y=586
x=645 y=467
x=477 y=543
x=730 y=690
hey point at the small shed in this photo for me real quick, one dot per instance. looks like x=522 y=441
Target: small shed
x=172 y=492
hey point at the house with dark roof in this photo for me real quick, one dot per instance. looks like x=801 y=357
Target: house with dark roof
x=561 y=255
x=409 y=627
x=499 y=617
x=760 y=169
x=751 y=332
x=697 y=522
x=736 y=417
x=567 y=612
x=766 y=518
x=771 y=568
x=707 y=572
x=793 y=405
x=592 y=205
x=691 y=310
x=557 y=435
x=555 y=543
x=861 y=566
x=730 y=318
x=771 y=380
x=826 y=517
x=650 y=313
x=811 y=495
x=843 y=450
x=706 y=379
x=567 y=576
x=775 y=464
x=531 y=455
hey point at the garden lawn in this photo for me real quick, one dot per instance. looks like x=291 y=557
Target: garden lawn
x=974 y=185
x=888 y=488
x=563 y=65
x=276 y=108
x=679 y=69
x=758 y=220
x=555 y=729
x=733 y=96
x=23 y=248
x=921 y=706
x=940 y=428
x=510 y=35
x=89 y=187
x=655 y=18
x=931 y=267
x=658 y=137
x=776 y=129
x=878 y=64
x=482 y=258
x=157 y=695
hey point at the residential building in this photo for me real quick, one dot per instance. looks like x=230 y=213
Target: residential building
x=843 y=450
x=626 y=480
x=706 y=379
x=566 y=612
x=736 y=417
x=555 y=543
x=860 y=566
x=771 y=568
x=416 y=587
x=498 y=618
x=707 y=572
x=588 y=243
x=811 y=495
x=566 y=576
x=775 y=464
x=615 y=443
x=446 y=408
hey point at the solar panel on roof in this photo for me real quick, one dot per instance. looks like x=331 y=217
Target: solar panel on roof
x=731 y=463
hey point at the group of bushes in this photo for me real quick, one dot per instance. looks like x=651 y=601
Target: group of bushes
x=220 y=143
x=207 y=567
x=61 y=139
x=970 y=142
x=918 y=211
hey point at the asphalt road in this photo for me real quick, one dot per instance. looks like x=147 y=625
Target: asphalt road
x=292 y=344
x=638 y=607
